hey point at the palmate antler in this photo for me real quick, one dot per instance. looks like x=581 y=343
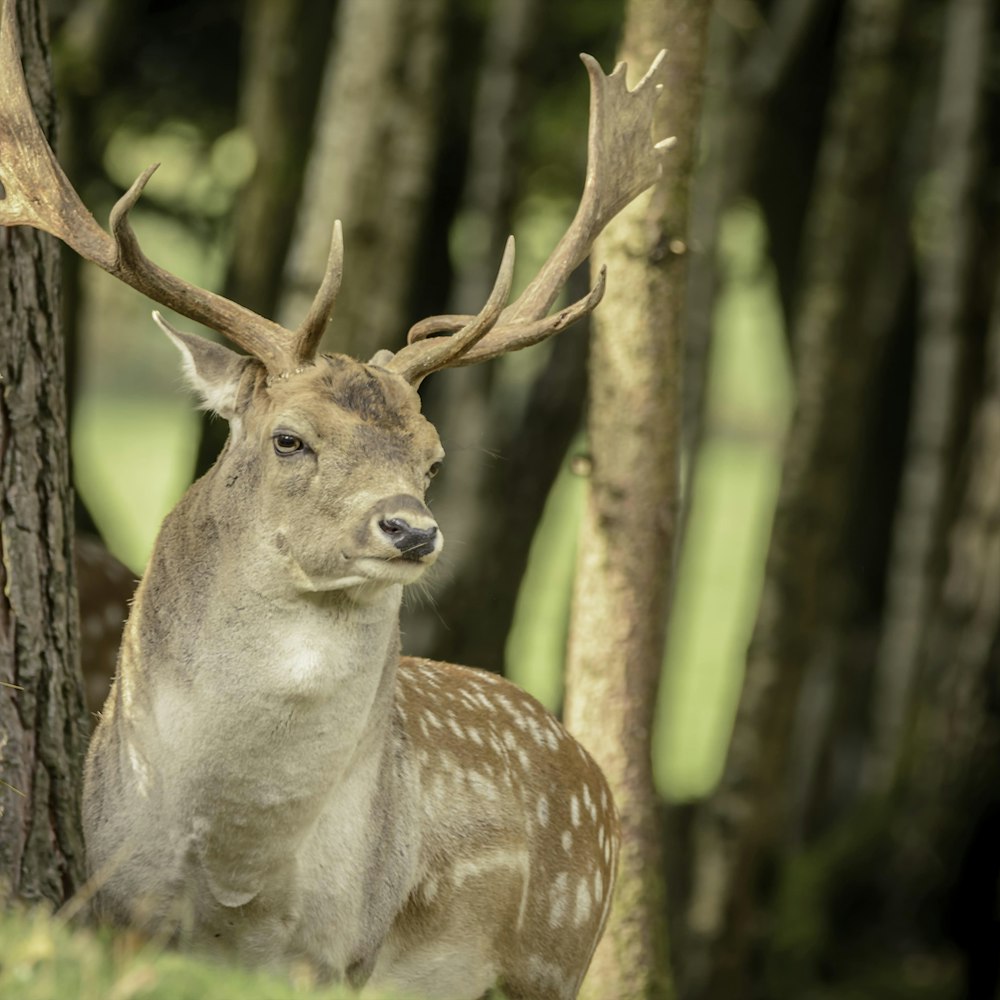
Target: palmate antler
x=621 y=163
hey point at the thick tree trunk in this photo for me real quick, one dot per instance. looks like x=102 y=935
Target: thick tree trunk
x=42 y=726
x=628 y=533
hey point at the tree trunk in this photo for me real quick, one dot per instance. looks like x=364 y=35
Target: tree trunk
x=489 y=506
x=284 y=52
x=628 y=532
x=42 y=725
x=371 y=165
x=935 y=425
x=839 y=331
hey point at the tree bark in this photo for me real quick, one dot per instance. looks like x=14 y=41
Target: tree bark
x=628 y=533
x=42 y=724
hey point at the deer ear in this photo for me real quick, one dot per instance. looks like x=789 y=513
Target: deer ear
x=381 y=358
x=213 y=371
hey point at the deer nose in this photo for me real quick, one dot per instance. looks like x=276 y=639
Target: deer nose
x=413 y=543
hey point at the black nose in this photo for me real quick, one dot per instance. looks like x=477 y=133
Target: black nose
x=413 y=543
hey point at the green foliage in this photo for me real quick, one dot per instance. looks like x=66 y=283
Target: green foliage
x=43 y=958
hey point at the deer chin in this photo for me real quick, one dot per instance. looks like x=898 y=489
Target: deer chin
x=351 y=572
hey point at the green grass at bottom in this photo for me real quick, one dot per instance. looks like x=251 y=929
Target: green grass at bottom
x=42 y=958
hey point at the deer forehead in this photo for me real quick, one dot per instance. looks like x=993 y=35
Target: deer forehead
x=338 y=391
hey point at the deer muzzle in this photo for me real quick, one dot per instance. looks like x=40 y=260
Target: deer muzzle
x=409 y=526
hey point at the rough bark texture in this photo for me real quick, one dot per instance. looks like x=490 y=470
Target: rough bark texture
x=371 y=165
x=42 y=728
x=838 y=330
x=628 y=532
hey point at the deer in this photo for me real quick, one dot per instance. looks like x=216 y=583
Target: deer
x=270 y=779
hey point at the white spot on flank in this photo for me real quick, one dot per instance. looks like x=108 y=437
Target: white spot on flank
x=456 y=728
x=509 y=740
x=474 y=736
x=543 y=810
x=574 y=810
x=567 y=841
x=552 y=737
x=536 y=732
x=560 y=900
x=583 y=904
x=598 y=886
x=432 y=719
x=524 y=759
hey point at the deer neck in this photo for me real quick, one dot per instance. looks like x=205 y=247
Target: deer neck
x=252 y=712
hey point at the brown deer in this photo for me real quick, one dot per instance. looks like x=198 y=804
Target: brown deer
x=269 y=779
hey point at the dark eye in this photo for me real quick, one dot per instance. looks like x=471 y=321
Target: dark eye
x=286 y=444
x=433 y=470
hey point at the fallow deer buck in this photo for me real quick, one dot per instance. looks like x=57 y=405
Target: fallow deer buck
x=269 y=778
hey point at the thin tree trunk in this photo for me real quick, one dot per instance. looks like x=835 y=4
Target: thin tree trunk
x=628 y=532
x=377 y=130
x=42 y=726
x=284 y=53
x=950 y=240
x=473 y=497
x=837 y=344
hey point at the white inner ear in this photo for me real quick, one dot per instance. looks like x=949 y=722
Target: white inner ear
x=213 y=371
x=219 y=397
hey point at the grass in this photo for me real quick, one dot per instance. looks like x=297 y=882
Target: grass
x=44 y=958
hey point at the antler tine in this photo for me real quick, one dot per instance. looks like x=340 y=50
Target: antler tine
x=621 y=163
x=309 y=334
x=36 y=192
x=417 y=360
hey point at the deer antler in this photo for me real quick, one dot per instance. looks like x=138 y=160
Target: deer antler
x=35 y=192
x=621 y=164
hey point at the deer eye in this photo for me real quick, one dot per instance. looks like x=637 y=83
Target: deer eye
x=433 y=469
x=287 y=444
